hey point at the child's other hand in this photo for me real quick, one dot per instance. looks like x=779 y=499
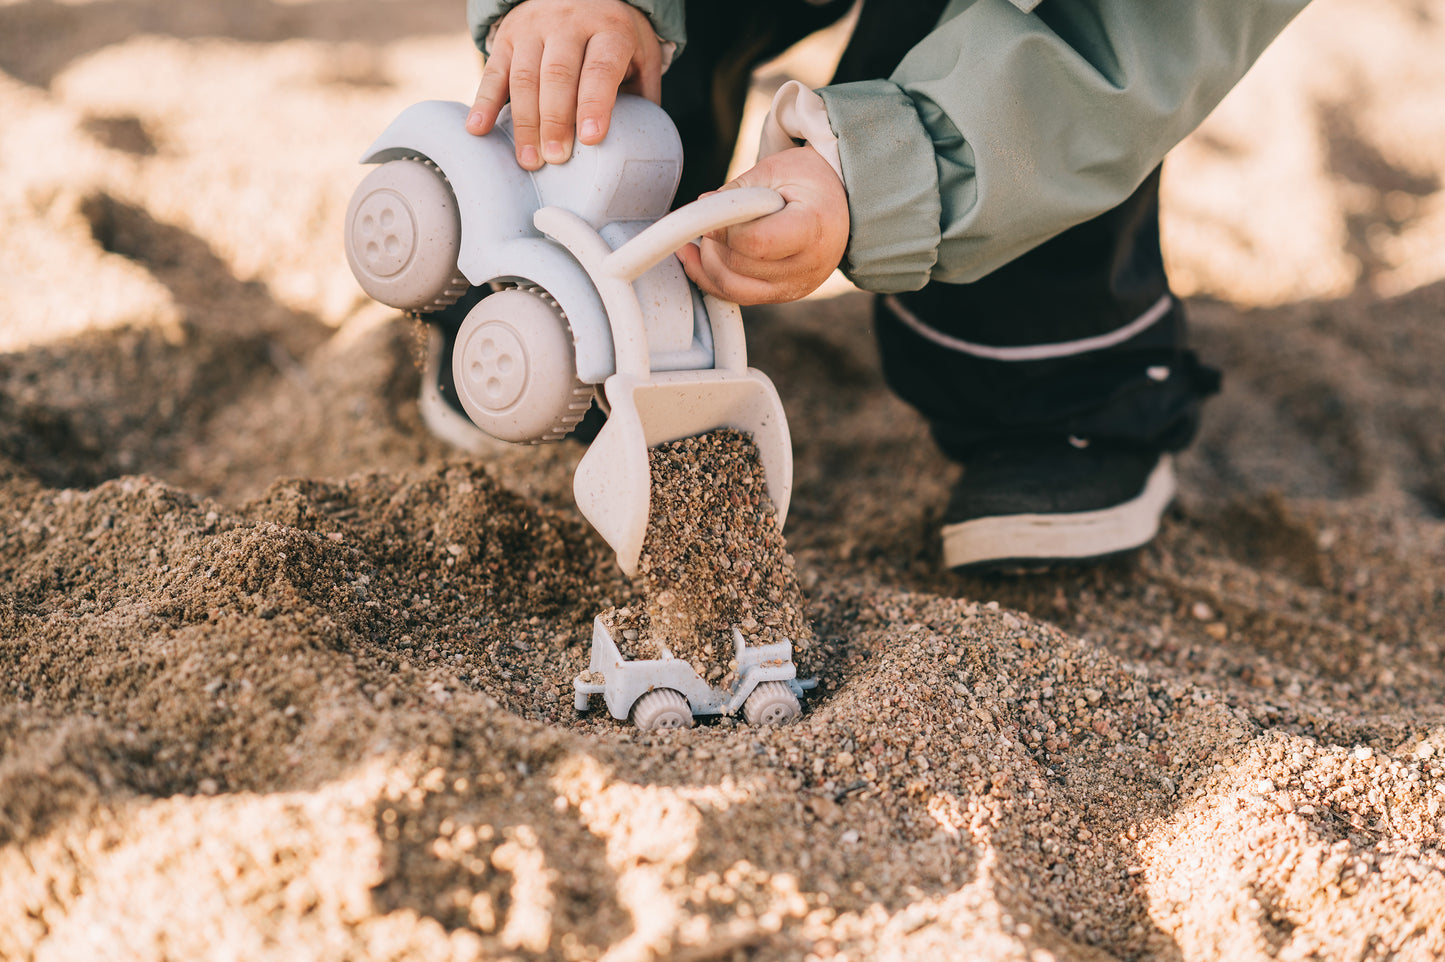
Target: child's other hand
x=783 y=256
x=561 y=64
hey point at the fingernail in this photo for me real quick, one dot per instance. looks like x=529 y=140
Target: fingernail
x=474 y=119
x=590 y=129
x=528 y=158
x=554 y=152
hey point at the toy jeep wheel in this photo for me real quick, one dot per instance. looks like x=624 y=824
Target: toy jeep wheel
x=771 y=703
x=661 y=708
x=403 y=236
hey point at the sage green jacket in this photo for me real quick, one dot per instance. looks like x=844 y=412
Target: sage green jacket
x=1013 y=120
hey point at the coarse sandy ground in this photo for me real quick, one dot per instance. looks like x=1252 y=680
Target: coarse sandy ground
x=283 y=677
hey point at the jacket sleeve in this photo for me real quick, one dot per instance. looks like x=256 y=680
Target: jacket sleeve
x=1003 y=128
x=666 y=16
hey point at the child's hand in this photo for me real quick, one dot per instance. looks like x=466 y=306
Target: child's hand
x=561 y=63
x=783 y=256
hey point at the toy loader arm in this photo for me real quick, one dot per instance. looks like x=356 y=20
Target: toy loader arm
x=687 y=223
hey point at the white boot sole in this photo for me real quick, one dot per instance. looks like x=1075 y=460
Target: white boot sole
x=1026 y=538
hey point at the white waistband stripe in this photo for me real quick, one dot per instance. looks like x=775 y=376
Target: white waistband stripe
x=1032 y=352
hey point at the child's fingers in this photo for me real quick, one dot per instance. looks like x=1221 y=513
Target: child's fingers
x=557 y=98
x=491 y=93
x=717 y=271
x=716 y=279
x=525 y=81
x=642 y=72
x=783 y=234
x=603 y=70
x=774 y=271
x=561 y=64
x=649 y=78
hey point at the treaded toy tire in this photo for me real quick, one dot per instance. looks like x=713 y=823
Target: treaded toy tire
x=661 y=708
x=514 y=368
x=403 y=236
x=771 y=703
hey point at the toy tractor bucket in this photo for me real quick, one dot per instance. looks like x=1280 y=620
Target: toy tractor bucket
x=613 y=483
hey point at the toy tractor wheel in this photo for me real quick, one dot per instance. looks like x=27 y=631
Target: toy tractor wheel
x=515 y=368
x=661 y=708
x=771 y=703
x=403 y=236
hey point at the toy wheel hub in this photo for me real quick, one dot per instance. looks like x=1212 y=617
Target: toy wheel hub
x=515 y=367
x=403 y=236
x=387 y=232
x=496 y=369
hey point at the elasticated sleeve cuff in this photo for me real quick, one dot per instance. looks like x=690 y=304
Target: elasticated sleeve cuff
x=482 y=14
x=890 y=171
x=667 y=18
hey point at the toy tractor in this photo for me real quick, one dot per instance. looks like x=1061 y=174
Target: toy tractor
x=584 y=299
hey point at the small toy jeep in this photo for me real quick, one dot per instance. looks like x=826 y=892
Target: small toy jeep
x=668 y=693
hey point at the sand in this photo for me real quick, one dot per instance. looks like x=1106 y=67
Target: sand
x=282 y=676
x=713 y=559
